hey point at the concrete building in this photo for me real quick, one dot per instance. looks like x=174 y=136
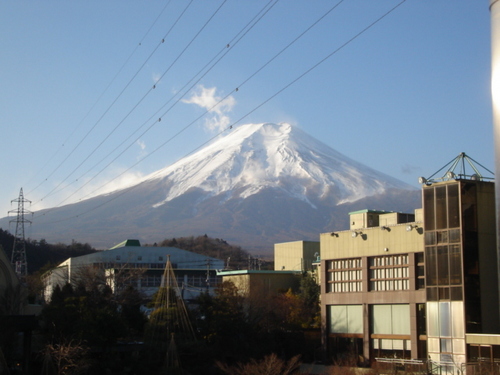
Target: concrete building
x=461 y=267
x=129 y=263
x=421 y=285
x=371 y=274
x=296 y=255
x=256 y=282
x=291 y=259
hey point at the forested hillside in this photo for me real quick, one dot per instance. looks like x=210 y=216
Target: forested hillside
x=234 y=256
x=41 y=253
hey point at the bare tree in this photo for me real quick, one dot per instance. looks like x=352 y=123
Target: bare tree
x=118 y=276
x=12 y=299
x=69 y=358
x=270 y=365
x=88 y=278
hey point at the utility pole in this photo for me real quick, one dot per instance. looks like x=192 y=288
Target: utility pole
x=208 y=275
x=18 y=258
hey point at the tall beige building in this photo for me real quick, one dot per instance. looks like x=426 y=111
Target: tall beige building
x=416 y=286
x=296 y=255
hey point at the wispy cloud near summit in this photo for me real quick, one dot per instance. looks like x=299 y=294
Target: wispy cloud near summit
x=217 y=106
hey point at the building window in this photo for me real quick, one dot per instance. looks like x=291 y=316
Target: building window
x=389 y=272
x=443 y=255
x=391 y=320
x=390 y=330
x=345 y=319
x=444 y=270
x=419 y=257
x=151 y=281
x=344 y=275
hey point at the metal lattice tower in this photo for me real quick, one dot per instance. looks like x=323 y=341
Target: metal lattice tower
x=18 y=259
x=457 y=170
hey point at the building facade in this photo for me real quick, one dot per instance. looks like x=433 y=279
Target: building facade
x=142 y=267
x=257 y=283
x=461 y=267
x=372 y=290
x=295 y=255
x=415 y=286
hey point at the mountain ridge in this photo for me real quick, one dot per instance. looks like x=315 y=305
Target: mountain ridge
x=259 y=185
x=255 y=156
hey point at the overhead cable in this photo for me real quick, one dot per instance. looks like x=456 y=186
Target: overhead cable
x=126 y=190
x=112 y=104
x=96 y=102
x=233 y=42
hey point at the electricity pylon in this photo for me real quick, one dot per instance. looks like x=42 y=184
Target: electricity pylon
x=18 y=259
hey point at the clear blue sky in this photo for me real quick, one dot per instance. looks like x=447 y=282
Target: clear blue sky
x=404 y=97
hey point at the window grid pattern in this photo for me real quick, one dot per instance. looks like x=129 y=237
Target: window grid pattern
x=420 y=271
x=128 y=265
x=390 y=272
x=191 y=280
x=345 y=275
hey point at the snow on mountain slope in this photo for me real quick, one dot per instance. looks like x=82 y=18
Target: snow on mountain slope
x=257 y=156
x=259 y=185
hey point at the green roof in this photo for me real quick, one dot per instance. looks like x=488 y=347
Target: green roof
x=370 y=211
x=127 y=243
x=246 y=272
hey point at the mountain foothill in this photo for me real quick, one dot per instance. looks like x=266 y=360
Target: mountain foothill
x=257 y=185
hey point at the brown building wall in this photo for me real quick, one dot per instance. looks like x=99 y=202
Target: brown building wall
x=261 y=283
x=488 y=261
x=394 y=239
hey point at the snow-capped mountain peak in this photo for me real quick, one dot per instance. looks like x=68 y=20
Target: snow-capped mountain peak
x=259 y=185
x=280 y=156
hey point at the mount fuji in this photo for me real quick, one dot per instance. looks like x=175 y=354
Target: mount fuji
x=258 y=185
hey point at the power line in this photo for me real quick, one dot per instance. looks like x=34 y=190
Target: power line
x=214 y=106
x=228 y=47
x=319 y=62
x=112 y=104
x=97 y=101
x=124 y=191
x=236 y=39
x=144 y=96
x=221 y=100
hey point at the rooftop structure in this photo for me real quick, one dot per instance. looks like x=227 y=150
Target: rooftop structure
x=129 y=263
x=296 y=255
x=416 y=286
x=260 y=283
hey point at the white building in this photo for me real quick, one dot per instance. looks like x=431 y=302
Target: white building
x=129 y=263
